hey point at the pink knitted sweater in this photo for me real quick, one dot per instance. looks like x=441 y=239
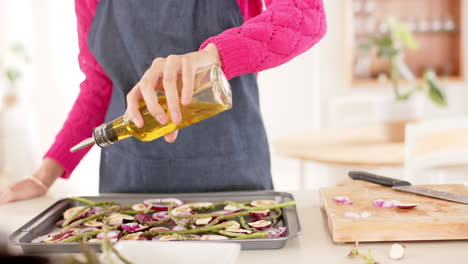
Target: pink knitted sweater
x=266 y=39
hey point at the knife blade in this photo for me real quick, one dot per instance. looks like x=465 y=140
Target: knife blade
x=406 y=186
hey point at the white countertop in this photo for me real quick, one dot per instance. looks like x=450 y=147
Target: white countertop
x=314 y=245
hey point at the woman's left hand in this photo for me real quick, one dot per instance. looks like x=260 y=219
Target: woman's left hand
x=166 y=70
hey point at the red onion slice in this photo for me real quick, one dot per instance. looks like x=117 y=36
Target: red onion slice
x=39 y=239
x=231 y=208
x=354 y=215
x=406 y=205
x=117 y=219
x=239 y=231
x=258 y=203
x=88 y=229
x=179 y=228
x=385 y=203
x=111 y=234
x=259 y=224
x=342 y=200
x=71 y=211
x=132 y=236
x=139 y=207
x=143 y=218
x=162 y=204
x=203 y=221
x=213 y=237
x=275 y=232
x=92 y=223
x=131 y=227
x=160 y=216
x=159 y=228
x=96 y=210
x=260 y=214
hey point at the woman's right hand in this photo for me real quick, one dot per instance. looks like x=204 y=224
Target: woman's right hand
x=27 y=188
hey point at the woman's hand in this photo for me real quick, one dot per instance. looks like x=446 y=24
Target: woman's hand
x=165 y=71
x=29 y=188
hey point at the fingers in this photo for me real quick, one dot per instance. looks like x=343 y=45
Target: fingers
x=133 y=112
x=171 y=69
x=187 y=79
x=171 y=137
x=148 y=85
x=5 y=196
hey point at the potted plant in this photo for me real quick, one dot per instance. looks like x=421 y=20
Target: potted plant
x=406 y=105
x=10 y=74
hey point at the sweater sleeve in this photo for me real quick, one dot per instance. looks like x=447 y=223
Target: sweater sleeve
x=286 y=29
x=90 y=107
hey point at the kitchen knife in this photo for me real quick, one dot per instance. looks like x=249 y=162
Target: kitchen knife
x=405 y=186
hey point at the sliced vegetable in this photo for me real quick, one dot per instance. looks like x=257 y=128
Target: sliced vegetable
x=159 y=228
x=258 y=203
x=275 y=232
x=162 y=204
x=60 y=223
x=384 y=203
x=365 y=214
x=110 y=234
x=178 y=211
x=92 y=223
x=96 y=210
x=259 y=224
x=117 y=219
x=213 y=237
x=132 y=227
x=160 y=216
x=231 y=208
x=259 y=214
x=179 y=228
x=143 y=218
x=133 y=236
x=71 y=211
x=234 y=225
x=239 y=231
x=202 y=206
x=397 y=251
x=51 y=238
x=138 y=207
x=203 y=221
x=170 y=238
x=406 y=205
x=342 y=200
x=352 y=215
x=40 y=239
x=88 y=229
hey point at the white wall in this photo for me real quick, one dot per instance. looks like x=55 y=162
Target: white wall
x=294 y=97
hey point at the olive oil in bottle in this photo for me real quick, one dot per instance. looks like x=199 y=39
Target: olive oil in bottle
x=212 y=95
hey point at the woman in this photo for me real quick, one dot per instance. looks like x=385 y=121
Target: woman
x=127 y=47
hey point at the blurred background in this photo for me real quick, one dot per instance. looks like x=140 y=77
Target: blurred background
x=329 y=110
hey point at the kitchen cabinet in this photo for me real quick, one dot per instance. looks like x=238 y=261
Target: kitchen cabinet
x=437 y=26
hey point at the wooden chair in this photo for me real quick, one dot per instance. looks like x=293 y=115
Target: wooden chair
x=436 y=151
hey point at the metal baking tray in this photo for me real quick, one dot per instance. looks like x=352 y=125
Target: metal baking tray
x=44 y=223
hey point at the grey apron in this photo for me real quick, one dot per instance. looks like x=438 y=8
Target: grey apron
x=227 y=152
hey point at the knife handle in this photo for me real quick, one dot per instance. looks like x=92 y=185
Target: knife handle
x=369 y=177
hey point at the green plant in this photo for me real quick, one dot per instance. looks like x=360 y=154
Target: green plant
x=12 y=73
x=390 y=47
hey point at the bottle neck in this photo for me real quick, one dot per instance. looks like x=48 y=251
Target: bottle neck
x=104 y=135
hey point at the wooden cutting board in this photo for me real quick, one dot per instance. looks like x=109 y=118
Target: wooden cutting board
x=432 y=219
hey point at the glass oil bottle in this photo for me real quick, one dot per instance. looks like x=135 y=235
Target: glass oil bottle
x=212 y=95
